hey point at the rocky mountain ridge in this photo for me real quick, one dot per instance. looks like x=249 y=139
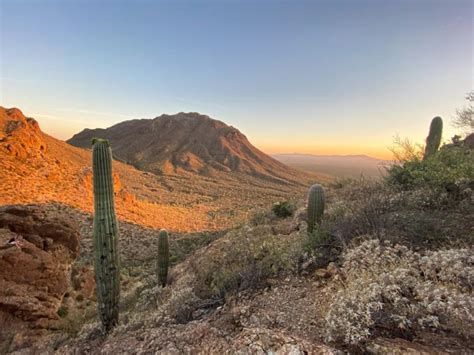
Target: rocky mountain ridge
x=187 y=142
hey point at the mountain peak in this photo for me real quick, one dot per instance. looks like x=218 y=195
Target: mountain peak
x=186 y=142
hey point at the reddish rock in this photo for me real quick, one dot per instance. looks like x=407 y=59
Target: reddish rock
x=35 y=276
x=83 y=281
x=20 y=136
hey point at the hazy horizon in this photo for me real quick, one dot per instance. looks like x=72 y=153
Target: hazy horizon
x=314 y=77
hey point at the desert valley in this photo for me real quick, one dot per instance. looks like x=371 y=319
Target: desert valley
x=244 y=275
x=236 y=177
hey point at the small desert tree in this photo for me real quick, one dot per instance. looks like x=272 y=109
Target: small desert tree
x=464 y=118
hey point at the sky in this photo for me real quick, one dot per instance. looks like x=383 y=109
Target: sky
x=320 y=77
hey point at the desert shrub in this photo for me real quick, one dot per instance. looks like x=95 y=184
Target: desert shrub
x=362 y=208
x=258 y=217
x=322 y=246
x=390 y=288
x=451 y=170
x=339 y=183
x=283 y=209
x=245 y=259
x=410 y=217
x=318 y=238
x=181 y=304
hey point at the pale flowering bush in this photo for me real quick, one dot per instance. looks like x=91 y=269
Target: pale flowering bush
x=449 y=266
x=394 y=288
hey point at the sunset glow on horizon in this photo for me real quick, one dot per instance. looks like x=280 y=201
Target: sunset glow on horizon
x=314 y=77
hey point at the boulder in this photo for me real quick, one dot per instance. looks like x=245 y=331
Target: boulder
x=37 y=248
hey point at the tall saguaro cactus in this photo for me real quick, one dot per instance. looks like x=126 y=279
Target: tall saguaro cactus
x=162 y=263
x=316 y=201
x=105 y=235
x=434 y=137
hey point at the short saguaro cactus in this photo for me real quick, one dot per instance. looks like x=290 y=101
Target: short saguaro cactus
x=433 y=140
x=162 y=264
x=316 y=202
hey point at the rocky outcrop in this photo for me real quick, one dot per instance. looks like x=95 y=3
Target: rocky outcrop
x=37 y=248
x=20 y=136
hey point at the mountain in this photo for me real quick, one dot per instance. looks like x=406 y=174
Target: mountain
x=352 y=166
x=187 y=142
x=37 y=168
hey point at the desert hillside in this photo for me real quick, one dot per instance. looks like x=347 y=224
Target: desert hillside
x=37 y=168
x=144 y=209
x=387 y=268
x=187 y=142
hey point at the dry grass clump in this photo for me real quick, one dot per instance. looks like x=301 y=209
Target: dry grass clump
x=244 y=259
x=394 y=290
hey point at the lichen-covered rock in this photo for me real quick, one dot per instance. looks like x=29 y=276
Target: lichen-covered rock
x=34 y=274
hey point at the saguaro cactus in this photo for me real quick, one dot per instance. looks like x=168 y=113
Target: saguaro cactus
x=105 y=235
x=162 y=263
x=434 y=137
x=316 y=201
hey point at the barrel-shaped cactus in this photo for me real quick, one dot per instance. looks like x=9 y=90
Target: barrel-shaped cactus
x=163 y=261
x=105 y=235
x=434 y=137
x=316 y=201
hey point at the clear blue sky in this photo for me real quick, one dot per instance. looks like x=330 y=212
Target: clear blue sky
x=306 y=76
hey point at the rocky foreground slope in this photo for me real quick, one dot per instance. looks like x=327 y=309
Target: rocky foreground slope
x=258 y=289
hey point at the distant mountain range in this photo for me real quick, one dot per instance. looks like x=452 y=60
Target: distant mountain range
x=187 y=143
x=353 y=166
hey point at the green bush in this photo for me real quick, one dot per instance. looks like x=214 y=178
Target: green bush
x=441 y=172
x=283 y=209
x=323 y=246
x=317 y=239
